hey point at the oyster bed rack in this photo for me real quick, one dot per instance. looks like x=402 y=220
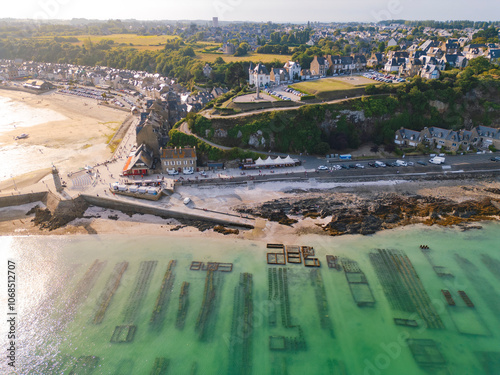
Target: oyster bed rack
x=441 y=271
x=183 y=306
x=141 y=285
x=278 y=295
x=333 y=262
x=492 y=264
x=206 y=317
x=109 y=290
x=85 y=365
x=426 y=353
x=448 y=297
x=487 y=291
x=240 y=343
x=125 y=333
x=160 y=366
x=490 y=361
x=405 y=322
x=321 y=301
x=402 y=286
x=358 y=283
x=292 y=254
x=86 y=284
x=163 y=298
x=211 y=266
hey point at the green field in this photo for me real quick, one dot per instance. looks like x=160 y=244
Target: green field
x=254 y=57
x=140 y=42
x=157 y=42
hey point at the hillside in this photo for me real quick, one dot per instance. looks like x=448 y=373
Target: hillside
x=458 y=100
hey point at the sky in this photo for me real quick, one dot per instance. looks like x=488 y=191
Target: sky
x=256 y=10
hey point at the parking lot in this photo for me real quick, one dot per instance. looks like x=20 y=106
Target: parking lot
x=286 y=92
x=386 y=78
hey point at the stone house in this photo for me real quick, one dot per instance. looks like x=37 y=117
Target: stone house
x=178 y=158
x=319 y=66
x=279 y=76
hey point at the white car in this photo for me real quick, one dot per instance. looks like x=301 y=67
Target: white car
x=360 y=166
x=203 y=173
x=172 y=172
x=322 y=168
x=188 y=170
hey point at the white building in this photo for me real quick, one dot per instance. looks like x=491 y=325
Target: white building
x=293 y=68
x=258 y=75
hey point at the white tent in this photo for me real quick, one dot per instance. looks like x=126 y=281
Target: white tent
x=269 y=161
x=259 y=161
x=289 y=160
x=279 y=161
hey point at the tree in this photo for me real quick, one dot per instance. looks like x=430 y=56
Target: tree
x=322 y=148
x=235 y=74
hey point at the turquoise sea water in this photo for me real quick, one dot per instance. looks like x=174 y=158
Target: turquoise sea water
x=256 y=319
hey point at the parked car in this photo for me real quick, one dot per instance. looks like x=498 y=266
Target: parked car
x=373 y=165
x=172 y=172
x=322 y=168
x=496 y=158
x=410 y=164
x=421 y=162
x=360 y=166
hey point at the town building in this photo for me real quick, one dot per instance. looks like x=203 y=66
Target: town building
x=207 y=69
x=293 y=68
x=258 y=75
x=319 y=66
x=178 y=158
x=140 y=163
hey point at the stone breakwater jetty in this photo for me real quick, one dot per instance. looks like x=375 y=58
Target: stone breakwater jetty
x=369 y=215
x=60 y=211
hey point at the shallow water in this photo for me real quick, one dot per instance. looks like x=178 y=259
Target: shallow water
x=17 y=115
x=57 y=306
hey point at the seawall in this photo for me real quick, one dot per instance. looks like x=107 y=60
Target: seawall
x=158 y=211
x=18 y=200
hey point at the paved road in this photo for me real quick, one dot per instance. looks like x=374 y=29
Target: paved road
x=208 y=115
x=455 y=165
x=184 y=128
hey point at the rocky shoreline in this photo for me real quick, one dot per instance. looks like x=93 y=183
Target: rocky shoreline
x=357 y=215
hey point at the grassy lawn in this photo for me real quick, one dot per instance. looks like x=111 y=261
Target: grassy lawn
x=335 y=88
x=327 y=85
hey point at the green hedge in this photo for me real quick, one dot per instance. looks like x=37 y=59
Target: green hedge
x=307 y=97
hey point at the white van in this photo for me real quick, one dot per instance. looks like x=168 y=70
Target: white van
x=380 y=164
x=172 y=172
x=401 y=163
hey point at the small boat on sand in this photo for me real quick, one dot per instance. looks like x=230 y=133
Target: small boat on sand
x=22 y=136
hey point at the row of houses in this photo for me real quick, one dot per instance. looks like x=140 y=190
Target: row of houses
x=151 y=132
x=292 y=71
x=428 y=59
x=480 y=137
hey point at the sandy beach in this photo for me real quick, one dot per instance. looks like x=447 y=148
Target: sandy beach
x=80 y=138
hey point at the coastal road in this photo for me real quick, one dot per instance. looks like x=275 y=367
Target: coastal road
x=455 y=166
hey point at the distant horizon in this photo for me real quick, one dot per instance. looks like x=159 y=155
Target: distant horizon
x=239 y=21
x=279 y=11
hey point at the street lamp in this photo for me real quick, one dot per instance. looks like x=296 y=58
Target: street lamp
x=15 y=186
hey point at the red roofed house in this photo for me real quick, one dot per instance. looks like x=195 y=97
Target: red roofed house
x=140 y=163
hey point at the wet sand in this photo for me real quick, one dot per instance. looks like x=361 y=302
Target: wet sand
x=71 y=143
